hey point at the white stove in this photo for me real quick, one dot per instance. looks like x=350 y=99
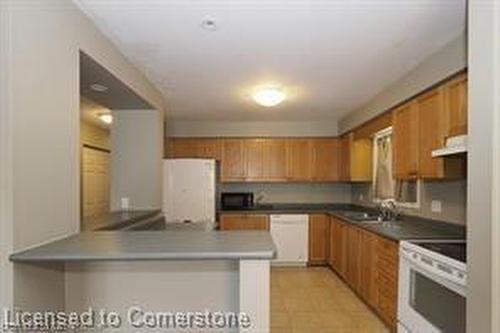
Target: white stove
x=432 y=286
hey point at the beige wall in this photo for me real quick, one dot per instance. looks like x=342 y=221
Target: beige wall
x=452 y=195
x=295 y=193
x=445 y=62
x=40 y=136
x=179 y=128
x=136 y=158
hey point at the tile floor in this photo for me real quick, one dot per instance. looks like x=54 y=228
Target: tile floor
x=315 y=300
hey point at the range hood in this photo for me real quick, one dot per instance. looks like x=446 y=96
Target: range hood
x=454 y=145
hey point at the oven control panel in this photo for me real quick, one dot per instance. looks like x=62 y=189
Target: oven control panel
x=435 y=263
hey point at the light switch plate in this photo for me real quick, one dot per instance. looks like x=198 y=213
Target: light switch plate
x=436 y=206
x=124 y=203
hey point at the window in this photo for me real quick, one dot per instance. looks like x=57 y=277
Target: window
x=404 y=192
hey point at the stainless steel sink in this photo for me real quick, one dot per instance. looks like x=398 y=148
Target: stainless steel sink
x=361 y=216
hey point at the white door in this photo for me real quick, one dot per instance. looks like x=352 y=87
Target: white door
x=189 y=192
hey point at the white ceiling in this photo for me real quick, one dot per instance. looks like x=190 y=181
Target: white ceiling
x=332 y=56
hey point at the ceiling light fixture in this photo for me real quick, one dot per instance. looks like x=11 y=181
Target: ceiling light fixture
x=98 y=87
x=209 y=24
x=269 y=96
x=106 y=118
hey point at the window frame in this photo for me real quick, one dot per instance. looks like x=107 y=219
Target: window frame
x=411 y=205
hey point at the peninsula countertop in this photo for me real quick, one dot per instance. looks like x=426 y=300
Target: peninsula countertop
x=154 y=245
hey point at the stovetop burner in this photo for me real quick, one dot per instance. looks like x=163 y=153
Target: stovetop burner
x=455 y=250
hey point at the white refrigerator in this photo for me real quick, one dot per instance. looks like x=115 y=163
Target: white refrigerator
x=190 y=191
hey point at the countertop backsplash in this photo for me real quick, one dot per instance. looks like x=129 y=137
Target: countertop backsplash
x=294 y=193
x=452 y=194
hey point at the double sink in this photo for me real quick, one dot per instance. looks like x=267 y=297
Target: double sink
x=369 y=219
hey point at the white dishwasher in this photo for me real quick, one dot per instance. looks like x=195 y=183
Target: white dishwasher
x=290 y=233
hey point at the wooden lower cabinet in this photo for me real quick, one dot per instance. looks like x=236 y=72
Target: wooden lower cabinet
x=244 y=222
x=387 y=272
x=369 y=264
x=353 y=257
x=338 y=237
x=319 y=230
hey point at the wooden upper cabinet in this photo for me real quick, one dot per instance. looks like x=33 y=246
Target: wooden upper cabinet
x=326 y=161
x=299 y=159
x=275 y=159
x=209 y=148
x=406 y=141
x=361 y=160
x=318 y=238
x=456 y=105
x=356 y=157
x=255 y=159
x=234 y=160
x=345 y=156
x=433 y=130
x=193 y=148
x=182 y=148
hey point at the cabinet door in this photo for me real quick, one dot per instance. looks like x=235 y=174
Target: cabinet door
x=299 y=159
x=405 y=141
x=244 y=222
x=432 y=129
x=326 y=162
x=255 y=159
x=456 y=105
x=208 y=148
x=318 y=239
x=337 y=259
x=182 y=148
x=368 y=261
x=387 y=268
x=361 y=164
x=353 y=256
x=275 y=159
x=332 y=239
x=233 y=166
x=193 y=148
x=345 y=156
x=341 y=248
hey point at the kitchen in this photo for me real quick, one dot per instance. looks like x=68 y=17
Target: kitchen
x=352 y=216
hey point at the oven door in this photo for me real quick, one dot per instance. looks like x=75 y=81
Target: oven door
x=428 y=303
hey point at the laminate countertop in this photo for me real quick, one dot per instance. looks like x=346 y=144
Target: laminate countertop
x=154 y=245
x=116 y=220
x=405 y=228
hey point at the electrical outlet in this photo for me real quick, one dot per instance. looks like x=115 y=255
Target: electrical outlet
x=125 y=203
x=436 y=206
x=361 y=197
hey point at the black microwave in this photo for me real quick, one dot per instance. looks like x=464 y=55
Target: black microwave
x=241 y=200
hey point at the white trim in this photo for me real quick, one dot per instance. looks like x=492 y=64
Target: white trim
x=495 y=214
x=6 y=161
x=255 y=294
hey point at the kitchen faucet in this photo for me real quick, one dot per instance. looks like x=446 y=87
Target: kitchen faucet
x=388 y=210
